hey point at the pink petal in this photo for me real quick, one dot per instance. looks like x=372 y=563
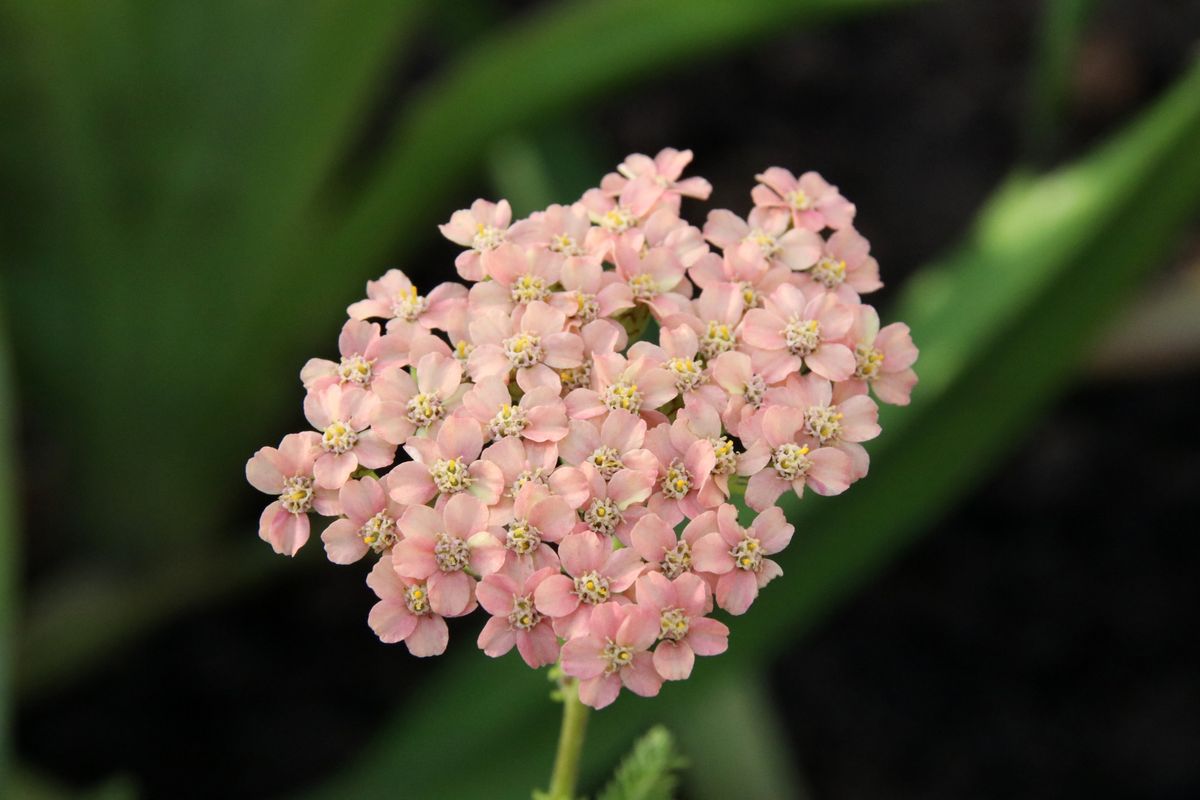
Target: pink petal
x=640 y=677
x=711 y=554
x=343 y=545
x=832 y=361
x=708 y=637
x=583 y=552
x=284 y=531
x=262 y=472
x=391 y=621
x=463 y=516
x=555 y=596
x=412 y=560
x=430 y=637
x=640 y=628
x=495 y=594
x=450 y=593
x=599 y=692
x=581 y=658
x=674 y=660
x=539 y=647
x=496 y=638
x=651 y=536
x=332 y=471
x=736 y=590
x=764 y=489
x=772 y=530
x=362 y=499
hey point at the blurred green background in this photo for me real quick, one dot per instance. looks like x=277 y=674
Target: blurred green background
x=193 y=192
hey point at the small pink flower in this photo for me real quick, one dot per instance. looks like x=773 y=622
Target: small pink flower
x=833 y=417
x=786 y=457
x=540 y=416
x=614 y=651
x=590 y=292
x=520 y=463
x=683 y=630
x=665 y=230
x=519 y=275
x=446 y=466
x=812 y=202
x=343 y=415
x=535 y=346
x=655 y=277
x=538 y=519
x=734 y=373
x=796 y=249
x=483 y=228
x=702 y=420
x=600 y=337
x=655 y=541
x=845 y=264
x=636 y=385
x=614 y=216
x=365 y=354
x=685 y=473
x=798 y=329
x=739 y=555
x=883 y=358
x=679 y=354
x=613 y=506
x=595 y=575
x=508 y=597
x=416 y=405
x=437 y=548
x=714 y=317
x=370 y=522
x=288 y=473
x=403 y=613
x=613 y=445
x=394 y=297
x=660 y=178
x=560 y=229
x=745 y=267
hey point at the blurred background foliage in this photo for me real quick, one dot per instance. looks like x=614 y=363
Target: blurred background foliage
x=193 y=192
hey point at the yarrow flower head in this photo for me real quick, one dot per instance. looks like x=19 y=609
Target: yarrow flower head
x=566 y=441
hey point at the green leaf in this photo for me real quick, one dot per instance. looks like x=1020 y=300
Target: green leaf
x=649 y=771
x=560 y=59
x=1003 y=327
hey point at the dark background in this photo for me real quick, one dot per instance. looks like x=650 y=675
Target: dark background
x=1040 y=641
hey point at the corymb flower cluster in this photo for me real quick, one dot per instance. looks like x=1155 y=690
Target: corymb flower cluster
x=580 y=421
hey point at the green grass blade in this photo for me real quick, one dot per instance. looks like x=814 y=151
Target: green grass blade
x=1002 y=326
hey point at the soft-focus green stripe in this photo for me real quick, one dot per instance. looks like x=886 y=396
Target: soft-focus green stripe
x=1001 y=326
x=1062 y=26
x=10 y=556
x=559 y=59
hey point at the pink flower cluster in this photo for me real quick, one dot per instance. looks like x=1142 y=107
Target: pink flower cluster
x=564 y=471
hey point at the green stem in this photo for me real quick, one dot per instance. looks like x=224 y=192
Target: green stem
x=570 y=744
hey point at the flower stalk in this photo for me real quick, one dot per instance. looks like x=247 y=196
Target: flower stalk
x=570 y=744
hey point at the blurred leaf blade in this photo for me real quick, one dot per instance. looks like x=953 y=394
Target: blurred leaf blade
x=566 y=55
x=1048 y=259
x=1065 y=250
x=1060 y=30
x=10 y=554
